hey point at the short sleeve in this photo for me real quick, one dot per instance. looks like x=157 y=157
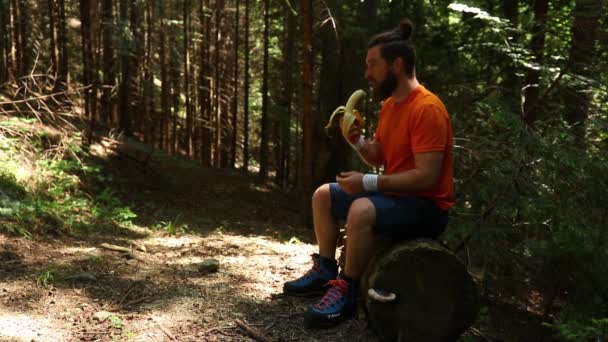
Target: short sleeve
x=430 y=129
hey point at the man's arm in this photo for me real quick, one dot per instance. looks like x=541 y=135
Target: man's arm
x=371 y=153
x=422 y=178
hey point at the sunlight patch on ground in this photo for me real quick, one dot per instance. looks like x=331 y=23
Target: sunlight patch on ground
x=28 y=328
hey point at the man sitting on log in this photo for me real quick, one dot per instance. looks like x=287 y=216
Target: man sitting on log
x=413 y=141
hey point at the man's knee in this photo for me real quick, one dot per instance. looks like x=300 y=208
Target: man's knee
x=362 y=214
x=321 y=198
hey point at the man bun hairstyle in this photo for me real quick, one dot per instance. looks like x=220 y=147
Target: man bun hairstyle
x=397 y=43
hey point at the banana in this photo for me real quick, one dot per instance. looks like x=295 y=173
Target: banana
x=351 y=115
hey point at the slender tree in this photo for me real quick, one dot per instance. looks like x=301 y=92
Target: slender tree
x=107 y=104
x=246 y=93
x=264 y=151
x=307 y=96
x=189 y=143
x=531 y=106
x=236 y=87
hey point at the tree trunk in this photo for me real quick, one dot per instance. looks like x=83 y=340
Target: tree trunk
x=15 y=45
x=4 y=41
x=135 y=101
x=288 y=48
x=331 y=155
x=532 y=107
x=175 y=92
x=148 y=89
x=205 y=85
x=53 y=36
x=587 y=14
x=165 y=86
x=107 y=104
x=62 y=47
x=235 y=100
x=436 y=297
x=307 y=74
x=264 y=124
x=25 y=29
x=125 y=89
x=189 y=142
x=218 y=112
x=246 y=94
x=87 y=61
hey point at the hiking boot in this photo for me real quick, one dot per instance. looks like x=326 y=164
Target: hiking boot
x=315 y=281
x=337 y=305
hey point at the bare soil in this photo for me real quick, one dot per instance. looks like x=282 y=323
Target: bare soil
x=96 y=294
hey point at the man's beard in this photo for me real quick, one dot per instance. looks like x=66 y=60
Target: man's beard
x=385 y=88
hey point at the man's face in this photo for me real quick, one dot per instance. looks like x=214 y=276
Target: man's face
x=379 y=75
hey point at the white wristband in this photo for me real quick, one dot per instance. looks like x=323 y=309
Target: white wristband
x=359 y=144
x=370 y=182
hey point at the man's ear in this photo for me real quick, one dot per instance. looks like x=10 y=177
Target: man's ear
x=398 y=65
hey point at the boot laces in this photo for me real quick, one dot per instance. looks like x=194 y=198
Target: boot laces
x=338 y=289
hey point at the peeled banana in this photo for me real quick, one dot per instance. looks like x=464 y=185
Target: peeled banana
x=351 y=115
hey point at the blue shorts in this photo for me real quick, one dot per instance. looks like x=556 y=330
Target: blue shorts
x=397 y=217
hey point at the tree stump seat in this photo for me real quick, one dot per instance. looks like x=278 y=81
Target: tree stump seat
x=436 y=297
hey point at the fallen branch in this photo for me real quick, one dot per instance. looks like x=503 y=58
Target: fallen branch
x=115 y=248
x=167 y=332
x=128 y=252
x=251 y=331
x=46 y=96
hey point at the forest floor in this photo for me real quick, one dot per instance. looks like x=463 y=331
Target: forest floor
x=67 y=287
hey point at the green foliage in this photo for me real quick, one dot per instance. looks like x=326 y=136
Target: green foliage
x=45 y=279
x=115 y=321
x=55 y=192
x=172 y=227
x=532 y=197
x=596 y=329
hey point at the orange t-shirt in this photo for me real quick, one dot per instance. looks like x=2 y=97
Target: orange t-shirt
x=420 y=123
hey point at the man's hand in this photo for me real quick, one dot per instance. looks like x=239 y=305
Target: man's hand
x=351 y=182
x=354 y=133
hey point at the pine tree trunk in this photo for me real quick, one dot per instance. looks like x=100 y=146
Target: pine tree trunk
x=209 y=87
x=164 y=76
x=62 y=47
x=85 y=30
x=53 y=37
x=307 y=97
x=246 y=93
x=264 y=151
x=217 y=94
x=125 y=89
x=148 y=90
x=189 y=142
x=4 y=41
x=235 y=100
x=288 y=48
x=25 y=29
x=107 y=104
x=532 y=107
x=587 y=14
x=204 y=86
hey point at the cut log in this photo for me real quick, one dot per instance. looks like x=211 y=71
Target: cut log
x=436 y=297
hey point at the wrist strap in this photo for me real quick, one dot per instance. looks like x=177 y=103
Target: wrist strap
x=370 y=182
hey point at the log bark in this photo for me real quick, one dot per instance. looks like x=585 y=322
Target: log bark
x=437 y=299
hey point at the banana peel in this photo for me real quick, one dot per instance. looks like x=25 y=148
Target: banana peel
x=349 y=113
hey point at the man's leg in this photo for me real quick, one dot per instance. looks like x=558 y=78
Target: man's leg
x=339 y=301
x=325 y=267
x=326 y=228
x=360 y=237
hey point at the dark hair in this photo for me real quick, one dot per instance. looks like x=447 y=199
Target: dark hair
x=397 y=43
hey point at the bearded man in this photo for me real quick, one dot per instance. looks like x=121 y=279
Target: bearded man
x=410 y=199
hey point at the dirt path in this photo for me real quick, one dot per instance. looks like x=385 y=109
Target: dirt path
x=70 y=289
